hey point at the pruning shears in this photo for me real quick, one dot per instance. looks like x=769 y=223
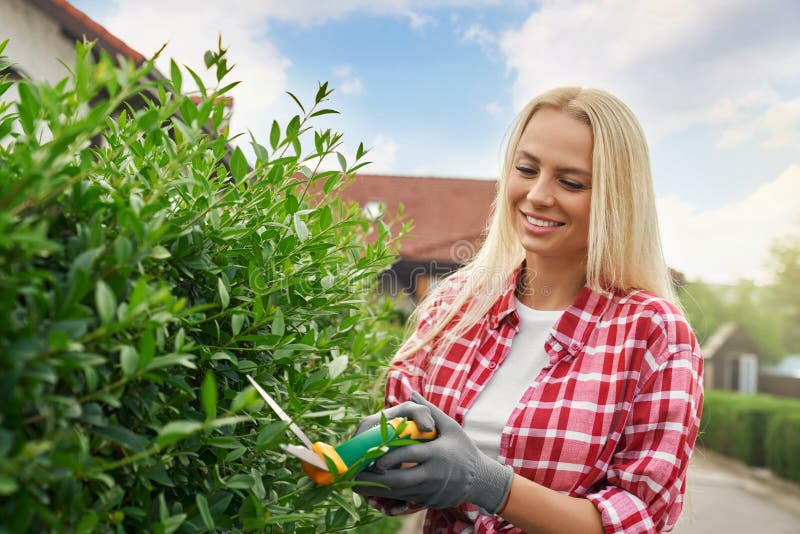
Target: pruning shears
x=345 y=455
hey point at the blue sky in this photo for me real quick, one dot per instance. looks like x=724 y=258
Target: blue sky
x=433 y=87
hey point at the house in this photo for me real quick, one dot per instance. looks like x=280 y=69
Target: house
x=731 y=360
x=783 y=378
x=42 y=34
x=449 y=215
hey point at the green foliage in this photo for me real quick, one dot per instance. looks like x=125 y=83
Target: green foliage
x=785 y=292
x=145 y=269
x=743 y=426
x=770 y=315
x=783 y=436
x=708 y=307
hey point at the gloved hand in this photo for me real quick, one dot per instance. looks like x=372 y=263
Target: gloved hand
x=450 y=469
x=418 y=413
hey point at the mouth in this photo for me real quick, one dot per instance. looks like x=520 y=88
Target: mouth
x=542 y=222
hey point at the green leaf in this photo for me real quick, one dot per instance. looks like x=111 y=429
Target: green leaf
x=274 y=135
x=128 y=360
x=148 y=120
x=269 y=434
x=224 y=298
x=205 y=513
x=235 y=454
x=384 y=427
x=342 y=161
x=237 y=320
x=87 y=523
x=337 y=366
x=175 y=73
x=123 y=436
x=323 y=112
x=300 y=228
x=8 y=485
x=322 y=92
x=160 y=253
x=346 y=505
x=176 y=430
x=172 y=359
x=360 y=151
x=208 y=394
x=240 y=482
x=287 y=518
x=105 y=301
x=297 y=102
x=238 y=164
x=278 y=326
x=147 y=347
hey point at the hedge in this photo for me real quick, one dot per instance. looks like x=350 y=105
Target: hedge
x=145 y=268
x=760 y=430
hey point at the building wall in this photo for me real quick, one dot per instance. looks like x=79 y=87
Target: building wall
x=784 y=386
x=36 y=42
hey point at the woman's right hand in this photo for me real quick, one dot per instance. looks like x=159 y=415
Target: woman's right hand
x=418 y=413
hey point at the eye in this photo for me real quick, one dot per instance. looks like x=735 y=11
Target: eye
x=571 y=185
x=527 y=171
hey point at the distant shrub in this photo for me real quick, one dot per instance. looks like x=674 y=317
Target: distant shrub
x=145 y=269
x=783 y=451
x=743 y=426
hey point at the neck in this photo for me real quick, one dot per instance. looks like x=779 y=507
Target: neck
x=551 y=283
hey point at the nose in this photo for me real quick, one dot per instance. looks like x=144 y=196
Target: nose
x=541 y=191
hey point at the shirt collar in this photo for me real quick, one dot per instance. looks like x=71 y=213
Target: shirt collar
x=572 y=330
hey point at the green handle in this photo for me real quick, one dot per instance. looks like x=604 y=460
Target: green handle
x=356 y=448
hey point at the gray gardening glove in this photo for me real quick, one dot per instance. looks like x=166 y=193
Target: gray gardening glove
x=450 y=470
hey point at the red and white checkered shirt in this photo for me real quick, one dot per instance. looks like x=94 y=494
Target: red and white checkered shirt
x=613 y=417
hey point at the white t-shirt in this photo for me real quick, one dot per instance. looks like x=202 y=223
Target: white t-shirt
x=485 y=420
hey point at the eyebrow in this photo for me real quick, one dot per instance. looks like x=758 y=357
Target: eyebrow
x=567 y=170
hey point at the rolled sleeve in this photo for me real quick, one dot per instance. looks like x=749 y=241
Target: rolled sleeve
x=645 y=481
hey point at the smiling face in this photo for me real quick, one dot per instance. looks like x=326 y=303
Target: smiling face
x=549 y=186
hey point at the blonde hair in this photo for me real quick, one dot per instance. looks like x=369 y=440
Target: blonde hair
x=624 y=246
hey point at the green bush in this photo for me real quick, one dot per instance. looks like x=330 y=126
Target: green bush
x=783 y=451
x=739 y=425
x=145 y=269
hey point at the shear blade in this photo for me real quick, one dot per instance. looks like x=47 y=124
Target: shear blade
x=306 y=455
x=278 y=410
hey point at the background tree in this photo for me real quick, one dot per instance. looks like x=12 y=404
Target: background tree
x=769 y=314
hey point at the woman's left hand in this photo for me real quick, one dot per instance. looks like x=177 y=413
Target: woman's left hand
x=449 y=470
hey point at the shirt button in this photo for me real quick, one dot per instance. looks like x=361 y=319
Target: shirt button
x=492 y=365
x=575 y=347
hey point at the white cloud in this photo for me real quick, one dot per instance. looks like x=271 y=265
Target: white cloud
x=481 y=36
x=191 y=29
x=348 y=84
x=731 y=242
x=382 y=154
x=192 y=26
x=316 y=12
x=494 y=109
x=675 y=63
x=776 y=124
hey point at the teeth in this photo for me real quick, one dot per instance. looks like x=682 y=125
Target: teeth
x=539 y=222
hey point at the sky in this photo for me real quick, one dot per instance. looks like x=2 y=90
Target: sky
x=432 y=87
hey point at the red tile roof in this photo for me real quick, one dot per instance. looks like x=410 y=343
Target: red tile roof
x=449 y=214
x=78 y=25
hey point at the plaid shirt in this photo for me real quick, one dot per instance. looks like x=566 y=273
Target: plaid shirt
x=613 y=417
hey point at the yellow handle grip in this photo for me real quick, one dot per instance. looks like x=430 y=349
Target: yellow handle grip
x=412 y=431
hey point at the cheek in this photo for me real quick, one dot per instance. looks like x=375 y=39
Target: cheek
x=512 y=194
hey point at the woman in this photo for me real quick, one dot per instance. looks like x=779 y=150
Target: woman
x=562 y=377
